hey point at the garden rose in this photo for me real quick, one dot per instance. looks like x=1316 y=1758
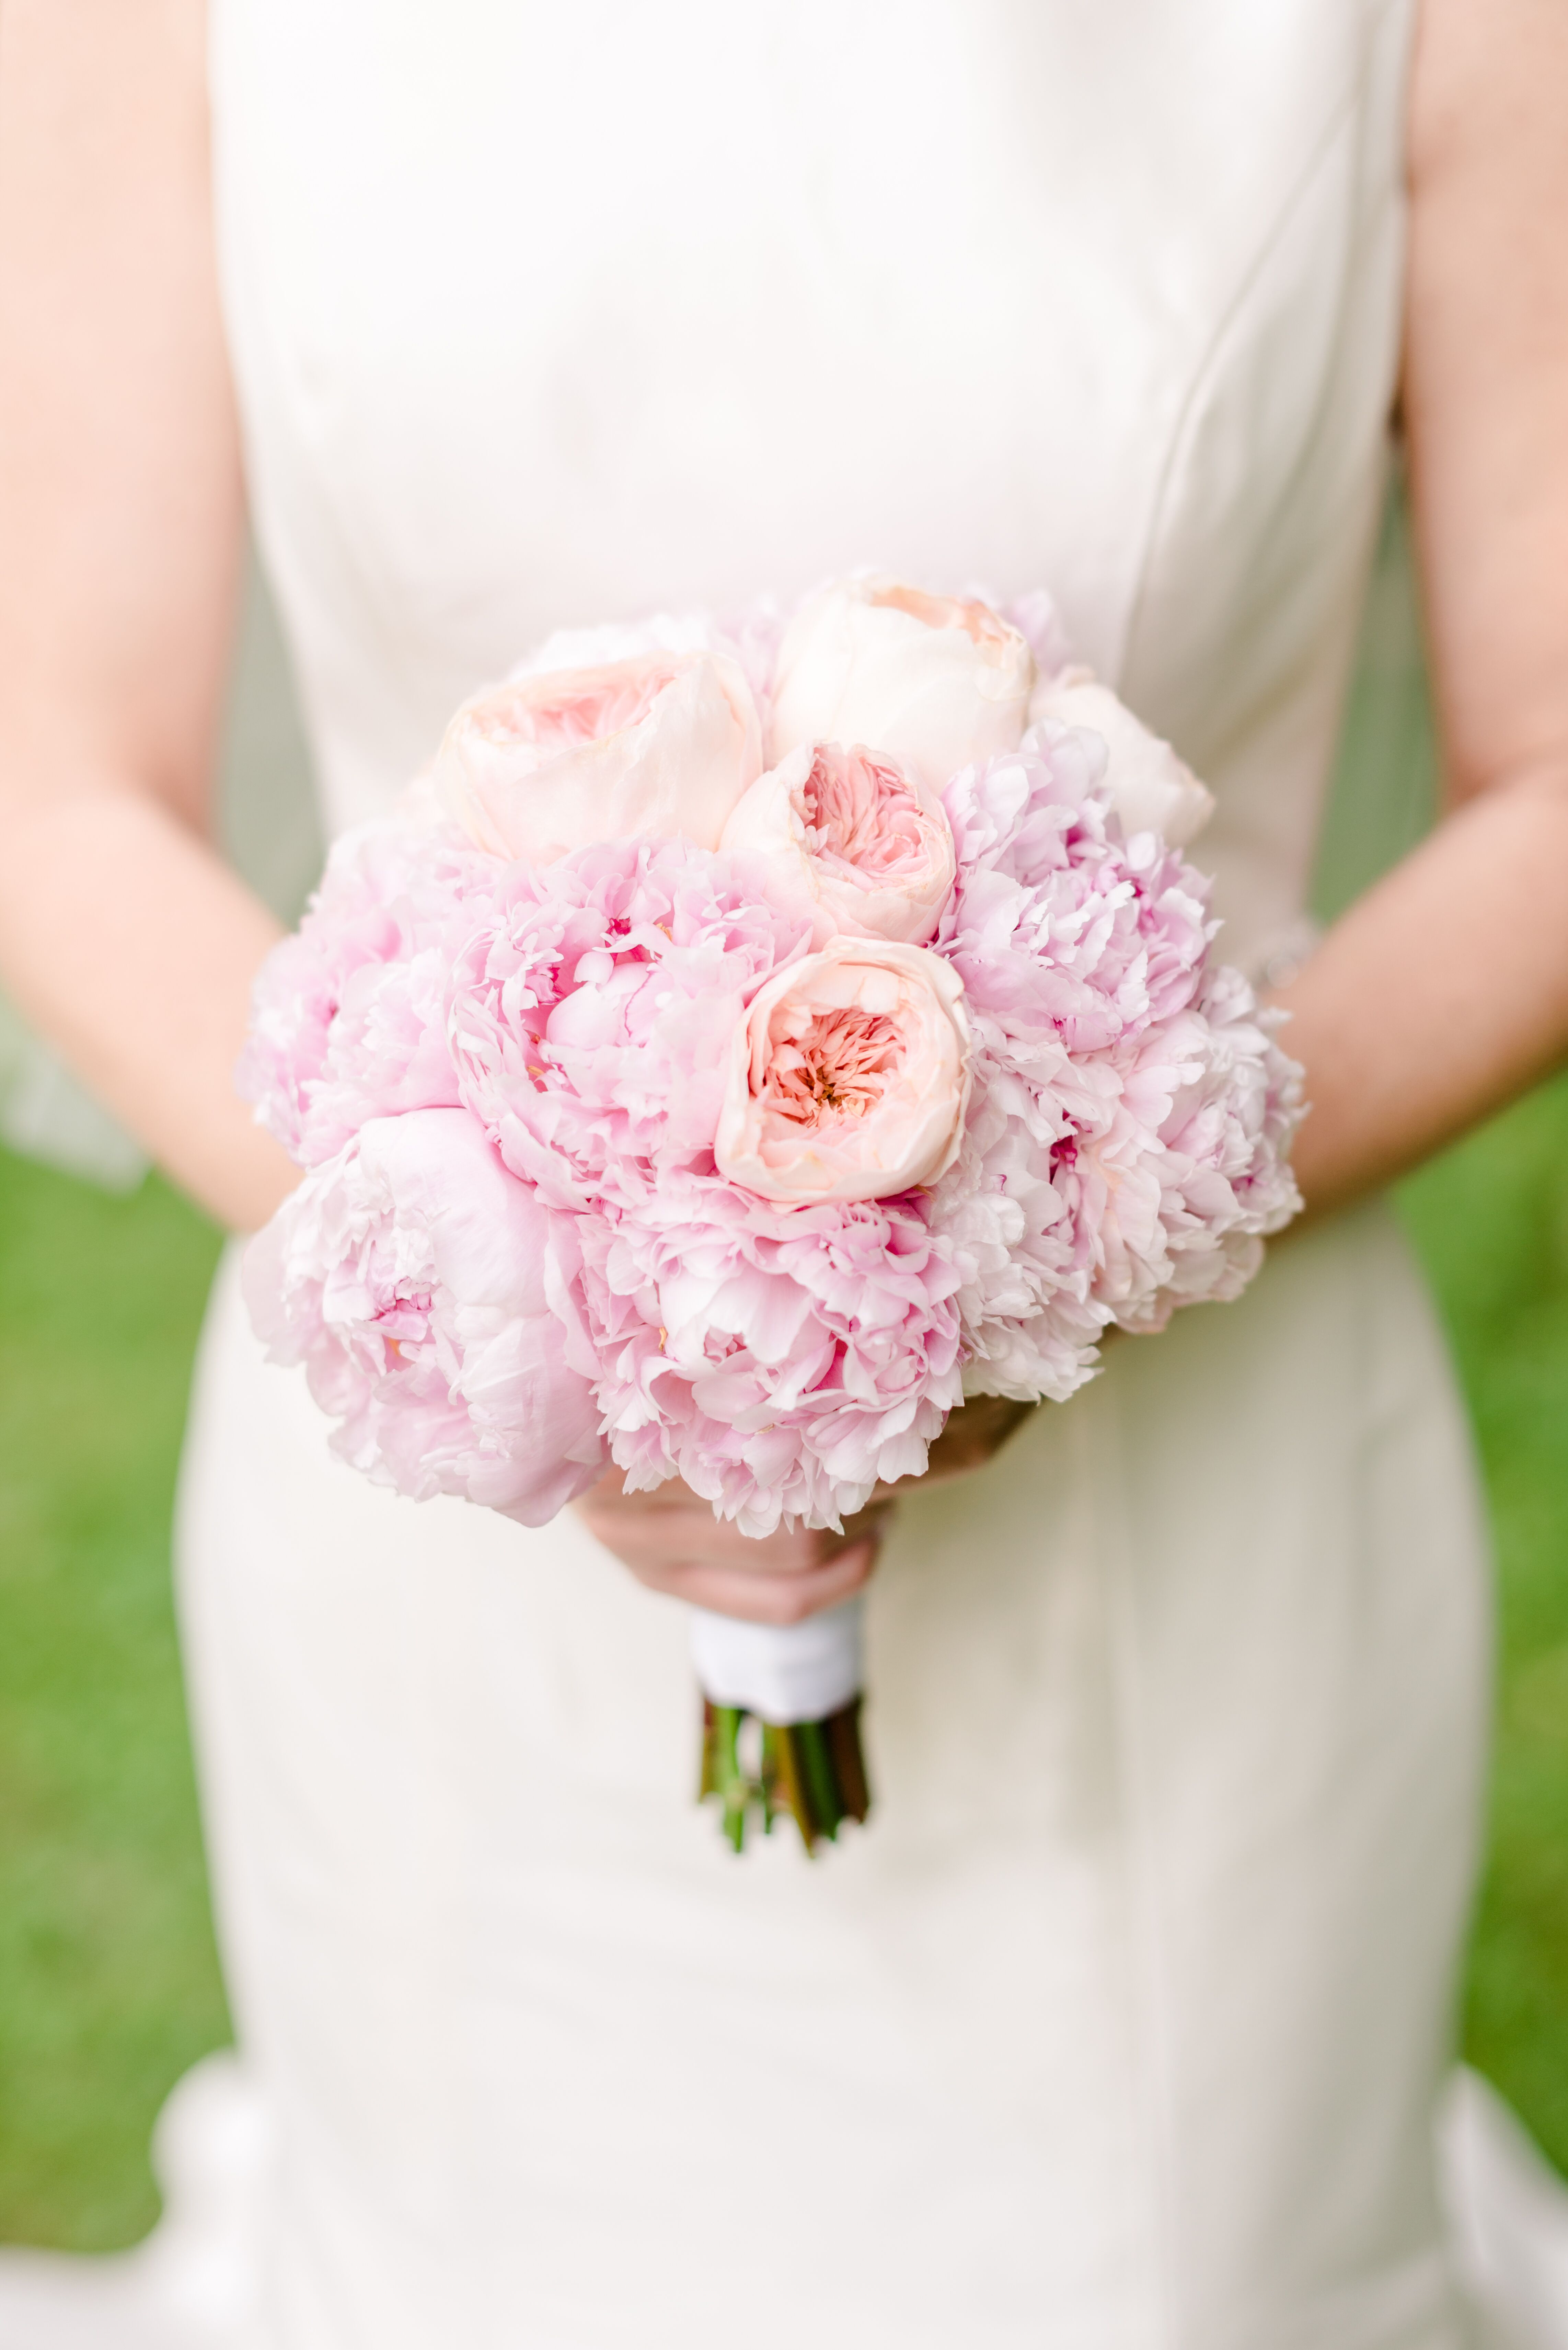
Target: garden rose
x=934 y=680
x=848 y=1077
x=872 y=843
x=1149 y=787
x=660 y=744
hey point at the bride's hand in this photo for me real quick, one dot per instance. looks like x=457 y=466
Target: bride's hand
x=974 y=1434
x=672 y=1542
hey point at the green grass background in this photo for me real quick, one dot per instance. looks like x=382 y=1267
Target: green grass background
x=108 y=1983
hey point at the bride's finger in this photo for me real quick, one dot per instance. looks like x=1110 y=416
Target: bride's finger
x=694 y=1536
x=762 y=1598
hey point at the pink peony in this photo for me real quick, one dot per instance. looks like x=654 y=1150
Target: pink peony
x=848 y=1077
x=656 y=744
x=435 y=1302
x=872 y=846
x=1130 y=1116
x=783 y=1361
x=347 y=1020
x=934 y=680
x=1227 y=1105
x=592 y=1004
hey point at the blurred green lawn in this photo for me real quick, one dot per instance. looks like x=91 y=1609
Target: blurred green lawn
x=109 y=1985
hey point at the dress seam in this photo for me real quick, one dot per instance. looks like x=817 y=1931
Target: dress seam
x=1204 y=371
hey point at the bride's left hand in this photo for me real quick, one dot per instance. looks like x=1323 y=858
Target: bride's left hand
x=670 y=1540
x=974 y=1434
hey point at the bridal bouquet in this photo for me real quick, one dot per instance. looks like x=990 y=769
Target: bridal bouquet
x=742 y=1045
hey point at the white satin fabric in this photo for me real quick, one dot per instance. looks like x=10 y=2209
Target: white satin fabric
x=1125 y=2024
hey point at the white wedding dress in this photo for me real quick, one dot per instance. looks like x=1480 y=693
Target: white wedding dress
x=1125 y=2024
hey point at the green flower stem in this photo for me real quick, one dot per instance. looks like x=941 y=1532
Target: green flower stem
x=819 y=1777
x=734 y=1788
x=814 y=1770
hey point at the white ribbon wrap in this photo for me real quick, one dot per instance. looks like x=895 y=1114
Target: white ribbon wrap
x=784 y=1673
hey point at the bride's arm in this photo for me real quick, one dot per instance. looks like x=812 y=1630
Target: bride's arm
x=122 y=935
x=1444 y=991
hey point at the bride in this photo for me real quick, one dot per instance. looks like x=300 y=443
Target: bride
x=1127 y=2020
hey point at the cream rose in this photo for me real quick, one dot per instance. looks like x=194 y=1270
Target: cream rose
x=871 y=843
x=931 y=680
x=848 y=1077
x=664 y=743
x=1150 y=788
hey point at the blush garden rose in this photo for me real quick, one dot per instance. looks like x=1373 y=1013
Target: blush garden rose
x=934 y=680
x=661 y=743
x=871 y=844
x=848 y=1077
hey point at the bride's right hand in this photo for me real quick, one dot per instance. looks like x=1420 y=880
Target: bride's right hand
x=672 y=1542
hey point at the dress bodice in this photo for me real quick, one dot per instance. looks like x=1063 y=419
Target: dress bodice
x=543 y=316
